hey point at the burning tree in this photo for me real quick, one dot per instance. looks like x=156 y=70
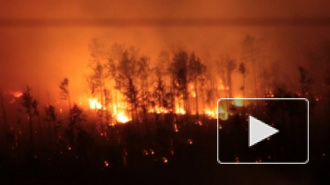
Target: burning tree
x=196 y=70
x=97 y=81
x=143 y=73
x=163 y=99
x=186 y=69
x=126 y=73
x=178 y=70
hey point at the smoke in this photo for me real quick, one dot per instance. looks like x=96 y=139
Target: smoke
x=54 y=44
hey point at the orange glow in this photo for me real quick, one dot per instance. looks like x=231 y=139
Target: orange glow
x=175 y=127
x=122 y=118
x=165 y=160
x=16 y=94
x=158 y=110
x=179 y=110
x=119 y=113
x=118 y=110
x=106 y=163
x=238 y=103
x=94 y=104
x=223 y=114
x=211 y=113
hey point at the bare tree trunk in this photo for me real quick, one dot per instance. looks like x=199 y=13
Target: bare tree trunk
x=255 y=78
x=31 y=135
x=4 y=115
x=196 y=99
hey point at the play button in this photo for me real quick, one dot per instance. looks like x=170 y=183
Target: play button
x=263 y=131
x=259 y=131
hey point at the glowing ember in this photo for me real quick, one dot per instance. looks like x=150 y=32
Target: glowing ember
x=106 y=163
x=175 y=127
x=190 y=141
x=165 y=160
x=158 y=110
x=199 y=123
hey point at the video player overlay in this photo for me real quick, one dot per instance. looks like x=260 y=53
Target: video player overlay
x=263 y=131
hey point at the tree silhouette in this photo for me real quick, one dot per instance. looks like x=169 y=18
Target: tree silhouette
x=196 y=70
x=31 y=108
x=98 y=79
x=159 y=92
x=65 y=94
x=51 y=119
x=178 y=70
x=305 y=80
x=97 y=83
x=143 y=73
x=77 y=117
x=126 y=76
x=4 y=114
x=250 y=53
x=305 y=84
x=242 y=70
x=230 y=65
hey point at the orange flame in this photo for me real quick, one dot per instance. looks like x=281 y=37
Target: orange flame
x=94 y=104
x=122 y=118
x=118 y=111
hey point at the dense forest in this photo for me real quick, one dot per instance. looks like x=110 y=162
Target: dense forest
x=148 y=120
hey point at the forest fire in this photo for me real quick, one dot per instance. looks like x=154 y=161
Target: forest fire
x=118 y=111
x=142 y=102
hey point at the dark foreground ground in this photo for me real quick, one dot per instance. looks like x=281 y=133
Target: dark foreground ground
x=162 y=156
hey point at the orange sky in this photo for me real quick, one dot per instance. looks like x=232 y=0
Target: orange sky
x=43 y=54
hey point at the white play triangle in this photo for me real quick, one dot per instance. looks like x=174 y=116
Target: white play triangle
x=259 y=131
